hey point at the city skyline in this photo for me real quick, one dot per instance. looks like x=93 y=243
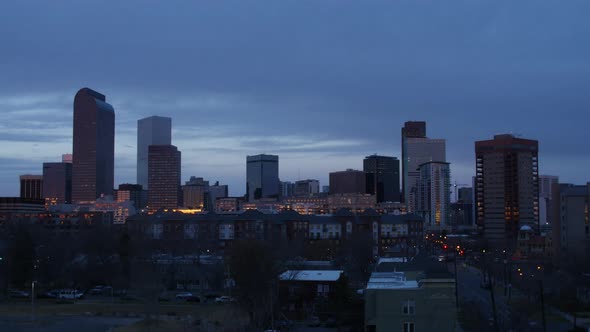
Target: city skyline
x=230 y=104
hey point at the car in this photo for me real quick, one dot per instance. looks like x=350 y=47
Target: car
x=97 y=290
x=51 y=294
x=183 y=296
x=69 y=294
x=314 y=321
x=18 y=294
x=224 y=299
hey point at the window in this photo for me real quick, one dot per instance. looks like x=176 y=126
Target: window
x=409 y=307
x=408 y=326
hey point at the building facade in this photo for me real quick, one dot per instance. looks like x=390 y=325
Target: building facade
x=93 y=164
x=195 y=193
x=153 y=130
x=262 y=177
x=307 y=187
x=506 y=187
x=411 y=129
x=571 y=231
x=163 y=177
x=348 y=182
x=434 y=195
x=31 y=186
x=134 y=193
x=57 y=183
x=382 y=177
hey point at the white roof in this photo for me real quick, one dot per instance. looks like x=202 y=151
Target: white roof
x=392 y=260
x=311 y=275
x=390 y=280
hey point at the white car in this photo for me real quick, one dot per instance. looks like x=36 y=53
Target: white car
x=225 y=299
x=69 y=294
x=184 y=296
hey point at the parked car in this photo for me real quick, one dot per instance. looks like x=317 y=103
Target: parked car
x=184 y=296
x=69 y=294
x=97 y=290
x=18 y=294
x=225 y=299
x=51 y=294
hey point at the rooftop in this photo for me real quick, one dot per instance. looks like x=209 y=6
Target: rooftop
x=390 y=280
x=311 y=275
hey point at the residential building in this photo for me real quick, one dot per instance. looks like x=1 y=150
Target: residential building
x=382 y=177
x=57 y=183
x=507 y=188
x=164 y=177
x=571 y=231
x=31 y=186
x=153 y=130
x=434 y=195
x=262 y=177
x=93 y=164
x=348 y=182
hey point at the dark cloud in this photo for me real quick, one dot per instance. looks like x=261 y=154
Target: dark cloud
x=332 y=80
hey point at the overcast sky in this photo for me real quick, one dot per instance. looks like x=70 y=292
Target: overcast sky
x=320 y=83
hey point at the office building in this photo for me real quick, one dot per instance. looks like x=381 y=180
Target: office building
x=216 y=191
x=194 y=193
x=134 y=193
x=348 y=182
x=163 y=177
x=325 y=189
x=571 y=231
x=287 y=189
x=57 y=183
x=507 y=187
x=31 y=186
x=153 y=130
x=434 y=195
x=93 y=164
x=411 y=129
x=382 y=177
x=416 y=150
x=262 y=177
x=546 y=184
x=466 y=195
x=307 y=187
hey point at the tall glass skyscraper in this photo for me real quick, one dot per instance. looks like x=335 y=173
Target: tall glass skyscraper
x=262 y=177
x=153 y=130
x=93 y=164
x=382 y=177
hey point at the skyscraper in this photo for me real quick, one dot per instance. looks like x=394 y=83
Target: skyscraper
x=153 y=130
x=262 y=177
x=57 y=182
x=194 y=193
x=416 y=150
x=507 y=187
x=546 y=184
x=307 y=187
x=416 y=129
x=94 y=146
x=382 y=177
x=163 y=177
x=31 y=186
x=350 y=181
x=434 y=195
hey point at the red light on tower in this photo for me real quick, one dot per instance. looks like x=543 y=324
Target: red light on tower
x=445 y=247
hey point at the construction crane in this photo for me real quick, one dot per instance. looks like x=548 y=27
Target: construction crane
x=456 y=187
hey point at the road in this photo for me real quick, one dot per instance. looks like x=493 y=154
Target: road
x=63 y=324
x=469 y=281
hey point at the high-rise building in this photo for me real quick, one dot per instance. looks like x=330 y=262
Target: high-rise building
x=411 y=129
x=466 y=195
x=287 y=188
x=134 y=193
x=262 y=177
x=571 y=229
x=67 y=158
x=216 y=191
x=506 y=187
x=194 y=193
x=417 y=149
x=163 y=177
x=153 y=130
x=348 y=182
x=382 y=177
x=307 y=187
x=546 y=183
x=57 y=183
x=31 y=186
x=434 y=195
x=93 y=167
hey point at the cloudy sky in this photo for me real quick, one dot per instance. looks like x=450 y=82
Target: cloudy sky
x=320 y=83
